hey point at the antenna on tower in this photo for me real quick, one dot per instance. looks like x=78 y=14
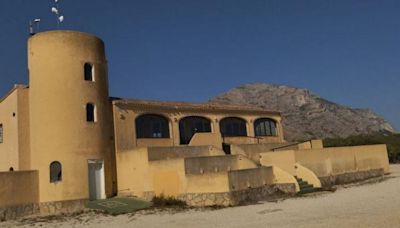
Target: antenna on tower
x=36 y=22
x=56 y=10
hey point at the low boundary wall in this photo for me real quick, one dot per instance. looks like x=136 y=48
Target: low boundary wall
x=267 y=192
x=18 y=188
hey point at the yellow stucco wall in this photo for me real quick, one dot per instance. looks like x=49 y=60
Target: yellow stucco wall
x=18 y=188
x=133 y=172
x=209 y=182
x=316 y=160
x=200 y=139
x=339 y=160
x=23 y=126
x=168 y=176
x=372 y=157
x=125 y=133
x=164 y=153
x=307 y=175
x=253 y=151
x=317 y=144
x=283 y=177
x=9 y=147
x=283 y=159
x=250 y=178
x=14 y=117
x=179 y=171
x=58 y=95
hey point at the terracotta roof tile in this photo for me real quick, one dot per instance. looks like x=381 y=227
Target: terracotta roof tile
x=190 y=106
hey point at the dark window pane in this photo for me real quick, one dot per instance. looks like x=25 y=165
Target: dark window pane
x=188 y=126
x=233 y=126
x=152 y=126
x=55 y=172
x=90 y=115
x=88 y=68
x=265 y=127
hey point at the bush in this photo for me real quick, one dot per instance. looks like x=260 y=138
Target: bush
x=391 y=140
x=169 y=201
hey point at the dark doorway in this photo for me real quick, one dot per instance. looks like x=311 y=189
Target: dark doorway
x=226 y=148
x=190 y=125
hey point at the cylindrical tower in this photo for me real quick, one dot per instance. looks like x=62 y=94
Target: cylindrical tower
x=70 y=116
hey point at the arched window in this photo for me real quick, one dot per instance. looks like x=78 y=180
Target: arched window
x=152 y=126
x=88 y=70
x=265 y=127
x=190 y=125
x=55 y=172
x=233 y=126
x=90 y=113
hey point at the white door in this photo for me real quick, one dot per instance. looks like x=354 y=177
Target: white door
x=96 y=179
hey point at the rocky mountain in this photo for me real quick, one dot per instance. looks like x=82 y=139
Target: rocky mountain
x=306 y=115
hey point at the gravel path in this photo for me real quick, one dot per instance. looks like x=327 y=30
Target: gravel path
x=366 y=205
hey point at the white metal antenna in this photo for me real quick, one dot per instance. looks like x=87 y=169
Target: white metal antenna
x=36 y=22
x=56 y=10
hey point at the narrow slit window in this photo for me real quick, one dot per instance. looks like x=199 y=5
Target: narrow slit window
x=55 y=172
x=88 y=68
x=90 y=113
x=1 y=133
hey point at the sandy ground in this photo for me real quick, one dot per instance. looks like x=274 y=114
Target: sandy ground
x=374 y=204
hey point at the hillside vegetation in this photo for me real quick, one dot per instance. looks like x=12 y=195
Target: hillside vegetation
x=391 y=140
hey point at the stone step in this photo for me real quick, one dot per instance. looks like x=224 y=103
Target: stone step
x=306 y=186
x=310 y=190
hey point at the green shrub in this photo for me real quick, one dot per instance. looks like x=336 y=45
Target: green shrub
x=169 y=201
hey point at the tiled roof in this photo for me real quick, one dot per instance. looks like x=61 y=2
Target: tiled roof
x=136 y=103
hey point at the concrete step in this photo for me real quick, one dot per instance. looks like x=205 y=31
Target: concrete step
x=305 y=187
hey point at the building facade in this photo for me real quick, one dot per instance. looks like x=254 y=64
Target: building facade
x=70 y=141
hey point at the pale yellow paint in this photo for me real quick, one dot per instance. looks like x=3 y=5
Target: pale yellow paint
x=14 y=116
x=18 y=188
x=133 y=172
x=201 y=139
x=304 y=145
x=125 y=115
x=339 y=160
x=283 y=159
x=307 y=175
x=372 y=157
x=209 y=182
x=9 y=148
x=317 y=144
x=283 y=177
x=58 y=95
x=243 y=179
x=168 y=176
x=319 y=161
x=245 y=163
x=180 y=171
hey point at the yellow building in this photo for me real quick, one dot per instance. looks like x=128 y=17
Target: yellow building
x=67 y=141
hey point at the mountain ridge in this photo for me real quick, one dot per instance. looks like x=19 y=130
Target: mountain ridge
x=306 y=115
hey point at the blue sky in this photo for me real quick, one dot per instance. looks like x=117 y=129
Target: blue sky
x=190 y=50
